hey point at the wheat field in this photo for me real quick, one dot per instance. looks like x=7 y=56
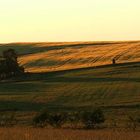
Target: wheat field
x=114 y=88
x=42 y=57
x=50 y=134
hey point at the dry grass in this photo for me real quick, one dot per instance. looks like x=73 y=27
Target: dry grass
x=50 y=134
x=81 y=56
x=41 y=57
x=116 y=87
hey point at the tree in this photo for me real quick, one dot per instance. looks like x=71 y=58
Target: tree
x=9 y=65
x=10 y=54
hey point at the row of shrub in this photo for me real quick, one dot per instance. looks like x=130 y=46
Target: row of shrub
x=88 y=119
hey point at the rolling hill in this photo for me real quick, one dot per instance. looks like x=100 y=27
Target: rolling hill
x=42 y=57
x=107 y=86
x=71 y=76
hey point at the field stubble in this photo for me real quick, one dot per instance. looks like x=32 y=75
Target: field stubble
x=61 y=134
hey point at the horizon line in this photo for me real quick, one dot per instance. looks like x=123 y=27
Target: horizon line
x=16 y=42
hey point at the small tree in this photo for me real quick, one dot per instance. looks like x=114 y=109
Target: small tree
x=91 y=119
x=10 y=64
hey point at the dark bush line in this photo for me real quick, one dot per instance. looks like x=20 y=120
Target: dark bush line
x=89 y=120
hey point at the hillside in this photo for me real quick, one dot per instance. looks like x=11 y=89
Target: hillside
x=42 y=57
x=115 y=88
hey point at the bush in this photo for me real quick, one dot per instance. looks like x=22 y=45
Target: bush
x=41 y=119
x=53 y=119
x=57 y=119
x=91 y=119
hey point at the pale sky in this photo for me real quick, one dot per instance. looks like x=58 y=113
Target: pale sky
x=69 y=20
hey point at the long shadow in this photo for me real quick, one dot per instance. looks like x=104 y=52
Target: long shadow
x=129 y=64
x=57 y=76
x=102 y=79
x=31 y=48
x=53 y=106
x=20 y=106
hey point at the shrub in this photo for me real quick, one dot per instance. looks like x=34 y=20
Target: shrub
x=53 y=119
x=57 y=119
x=41 y=119
x=91 y=119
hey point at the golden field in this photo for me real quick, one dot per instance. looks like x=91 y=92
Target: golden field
x=114 y=88
x=42 y=57
x=48 y=134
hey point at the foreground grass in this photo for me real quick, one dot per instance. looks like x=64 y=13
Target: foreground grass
x=50 y=134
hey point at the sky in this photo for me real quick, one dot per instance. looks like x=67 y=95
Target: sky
x=69 y=20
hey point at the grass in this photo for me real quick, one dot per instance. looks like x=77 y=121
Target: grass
x=80 y=85
x=42 y=57
x=83 y=87
x=43 y=134
x=113 y=88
